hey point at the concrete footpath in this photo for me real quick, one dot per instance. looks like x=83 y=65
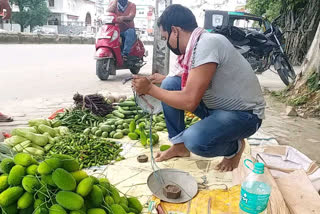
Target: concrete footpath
x=36 y=80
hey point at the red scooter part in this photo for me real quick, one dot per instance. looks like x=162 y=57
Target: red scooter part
x=108 y=50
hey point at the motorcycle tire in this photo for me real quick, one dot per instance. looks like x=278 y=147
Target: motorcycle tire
x=285 y=71
x=101 y=68
x=134 y=70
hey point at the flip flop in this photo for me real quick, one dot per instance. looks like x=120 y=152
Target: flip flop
x=5 y=118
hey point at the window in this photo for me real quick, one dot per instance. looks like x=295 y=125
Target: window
x=51 y=3
x=217 y=20
x=249 y=24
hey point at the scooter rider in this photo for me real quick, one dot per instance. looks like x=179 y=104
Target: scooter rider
x=125 y=11
x=4 y=5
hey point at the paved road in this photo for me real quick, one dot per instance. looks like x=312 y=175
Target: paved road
x=36 y=80
x=47 y=71
x=44 y=71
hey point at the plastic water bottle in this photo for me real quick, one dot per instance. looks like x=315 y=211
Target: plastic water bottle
x=255 y=191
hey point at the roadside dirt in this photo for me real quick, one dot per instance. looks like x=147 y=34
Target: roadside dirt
x=300 y=133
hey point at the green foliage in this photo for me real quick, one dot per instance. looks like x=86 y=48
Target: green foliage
x=269 y=8
x=313 y=81
x=273 y=8
x=31 y=13
x=298 y=101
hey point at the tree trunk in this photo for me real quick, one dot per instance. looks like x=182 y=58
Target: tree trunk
x=305 y=93
x=311 y=63
x=301 y=24
x=21 y=28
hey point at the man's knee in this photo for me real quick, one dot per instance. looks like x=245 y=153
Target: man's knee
x=130 y=32
x=198 y=143
x=193 y=141
x=171 y=83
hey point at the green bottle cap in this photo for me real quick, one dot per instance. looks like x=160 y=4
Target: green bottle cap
x=258 y=168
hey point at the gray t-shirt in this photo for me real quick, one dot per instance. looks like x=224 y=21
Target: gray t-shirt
x=234 y=86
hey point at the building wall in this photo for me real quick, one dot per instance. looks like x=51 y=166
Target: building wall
x=69 y=12
x=144 y=21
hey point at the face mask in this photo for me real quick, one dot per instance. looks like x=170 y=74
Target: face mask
x=123 y=3
x=176 y=50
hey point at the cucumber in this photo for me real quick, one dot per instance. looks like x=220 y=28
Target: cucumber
x=133 y=136
x=138 y=116
x=119 y=122
x=106 y=128
x=110 y=121
x=133 y=108
x=142 y=125
x=105 y=134
x=164 y=147
x=127 y=103
x=159 y=119
x=87 y=131
x=154 y=118
x=125 y=131
x=162 y=124
x=118 y=135
x=98 y=133
x=112 y=133
x=126 y=108
x=120 y=127
x=127 y=121
x=159 y=128
x=94 y=129
x=195 y=119
x=125 y=125
x=138 y=132
x=126 y=112
x=118 y=114
x=108 y=116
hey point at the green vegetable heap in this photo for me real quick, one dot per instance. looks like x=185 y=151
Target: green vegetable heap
x=58 y=186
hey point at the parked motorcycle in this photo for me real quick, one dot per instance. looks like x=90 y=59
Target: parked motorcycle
x=261 y=49
x=108 y=50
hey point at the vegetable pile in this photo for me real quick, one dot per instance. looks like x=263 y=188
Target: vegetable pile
x=78 y=120
x=190 y=119
x=38 y=138
x=58 y=186
x=88 y=150
x=95 y=103
x=129 y=119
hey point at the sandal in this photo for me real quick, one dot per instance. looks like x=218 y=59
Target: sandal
x=5 y=118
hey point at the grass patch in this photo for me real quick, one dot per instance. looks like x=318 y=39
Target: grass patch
x=280 y=95
x=298 y=101
x=313 y=82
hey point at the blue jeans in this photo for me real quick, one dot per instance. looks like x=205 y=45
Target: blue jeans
x=217 y=134
x=129 y=37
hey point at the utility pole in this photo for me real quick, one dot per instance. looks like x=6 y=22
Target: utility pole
x=161 y=54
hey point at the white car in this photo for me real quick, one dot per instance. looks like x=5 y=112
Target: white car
x=42 y=30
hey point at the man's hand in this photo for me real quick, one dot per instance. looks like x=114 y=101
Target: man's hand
x=141 y=85
x=120 y=19
x=4 y=4
x=157 y=78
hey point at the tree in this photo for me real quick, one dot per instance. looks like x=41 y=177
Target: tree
x=305 y=93
x=299 y=18
x=31 y=13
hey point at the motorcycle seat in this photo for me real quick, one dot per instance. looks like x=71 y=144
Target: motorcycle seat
x=239 y=43
x=257 y=37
